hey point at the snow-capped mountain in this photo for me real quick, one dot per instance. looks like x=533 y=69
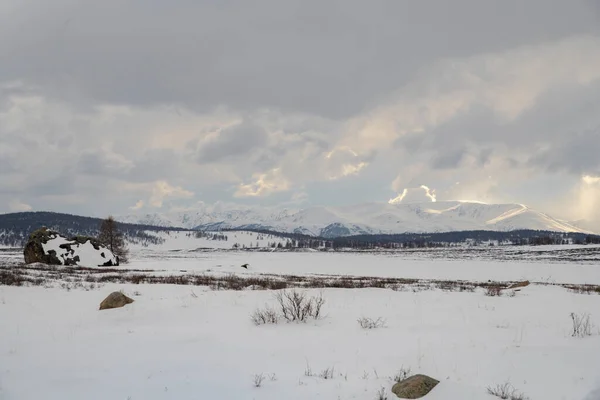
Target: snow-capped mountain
x=367 y=218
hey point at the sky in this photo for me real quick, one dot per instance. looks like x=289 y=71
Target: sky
x=143 y=106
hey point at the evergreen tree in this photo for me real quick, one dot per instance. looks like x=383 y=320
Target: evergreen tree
x=112 y=238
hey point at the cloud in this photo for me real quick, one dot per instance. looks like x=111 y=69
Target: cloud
x=236 y=140
x=138 y=206
x=357 y=107
x=18 y=206
x=263 y=185
x=162 y=190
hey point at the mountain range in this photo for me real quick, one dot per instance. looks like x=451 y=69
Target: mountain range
x=363 y=219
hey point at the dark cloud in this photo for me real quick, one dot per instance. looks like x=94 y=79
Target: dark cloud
x=319 y=57
x=577 y=153
x=449 y=159
x=235 y=141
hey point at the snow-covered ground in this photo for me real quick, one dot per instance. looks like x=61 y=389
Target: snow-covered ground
x=187 y=240
x=177 y=342
x=188 y=342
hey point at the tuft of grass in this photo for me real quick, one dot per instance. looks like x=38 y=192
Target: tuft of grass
x=370 y=323
x=582 y=326
x=327 y=373
x=258 y=380
x=381 y=394
x=402 y=374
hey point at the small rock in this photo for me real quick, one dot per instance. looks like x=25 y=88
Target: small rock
x=115 y=300
x=414 y=387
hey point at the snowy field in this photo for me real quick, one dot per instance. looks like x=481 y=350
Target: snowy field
x=191 y=342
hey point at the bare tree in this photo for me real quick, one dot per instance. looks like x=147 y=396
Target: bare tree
x=111 y=237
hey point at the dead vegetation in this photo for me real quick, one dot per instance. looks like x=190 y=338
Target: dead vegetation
x=83 y=277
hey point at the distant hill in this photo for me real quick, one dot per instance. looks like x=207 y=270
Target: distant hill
x=16 y=227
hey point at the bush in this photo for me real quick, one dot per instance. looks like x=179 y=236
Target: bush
x=295 y=306
x=370 y=323
x=506 y=391
x=582 y=326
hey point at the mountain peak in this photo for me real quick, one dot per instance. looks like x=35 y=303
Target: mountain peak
x=365 y=218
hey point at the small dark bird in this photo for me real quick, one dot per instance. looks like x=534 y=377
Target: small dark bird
x=245 y=266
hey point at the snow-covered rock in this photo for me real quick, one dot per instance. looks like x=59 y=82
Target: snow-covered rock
x=49 y=247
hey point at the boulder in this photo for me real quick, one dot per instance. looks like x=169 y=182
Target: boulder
x=115 y=300
x=49 y=247
x=414 y=387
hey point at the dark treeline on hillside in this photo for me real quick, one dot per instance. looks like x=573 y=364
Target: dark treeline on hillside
x=434 y=240
x=295 y=240
x=16 y=227
x=476 y=238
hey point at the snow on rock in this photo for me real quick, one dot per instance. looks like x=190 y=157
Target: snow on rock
x=49 y=247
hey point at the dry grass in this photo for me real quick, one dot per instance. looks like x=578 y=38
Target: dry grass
x=506 y=391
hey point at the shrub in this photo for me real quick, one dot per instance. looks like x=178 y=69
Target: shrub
x=370 y=323
x=295 y=306
x=264 y=316
x=506 y=391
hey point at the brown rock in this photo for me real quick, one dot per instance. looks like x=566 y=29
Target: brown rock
x=115 y=300
x=519 y=285
x=414 y=387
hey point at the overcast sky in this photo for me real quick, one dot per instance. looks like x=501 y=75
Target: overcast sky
x=122 y=106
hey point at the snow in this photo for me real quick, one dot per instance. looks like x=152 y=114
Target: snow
x=441 y=216
x=188 y=342
x=430 y=264
x=88 y=255
x=186 y=240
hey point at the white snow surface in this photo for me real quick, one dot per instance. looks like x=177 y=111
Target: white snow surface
x=367 y=218
x=189 y=342
x=177 y=342
x=88 y=255
x=187 y=240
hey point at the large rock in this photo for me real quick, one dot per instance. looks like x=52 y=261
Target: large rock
x=115 y=300
x=49 y=247
x=414 y=387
